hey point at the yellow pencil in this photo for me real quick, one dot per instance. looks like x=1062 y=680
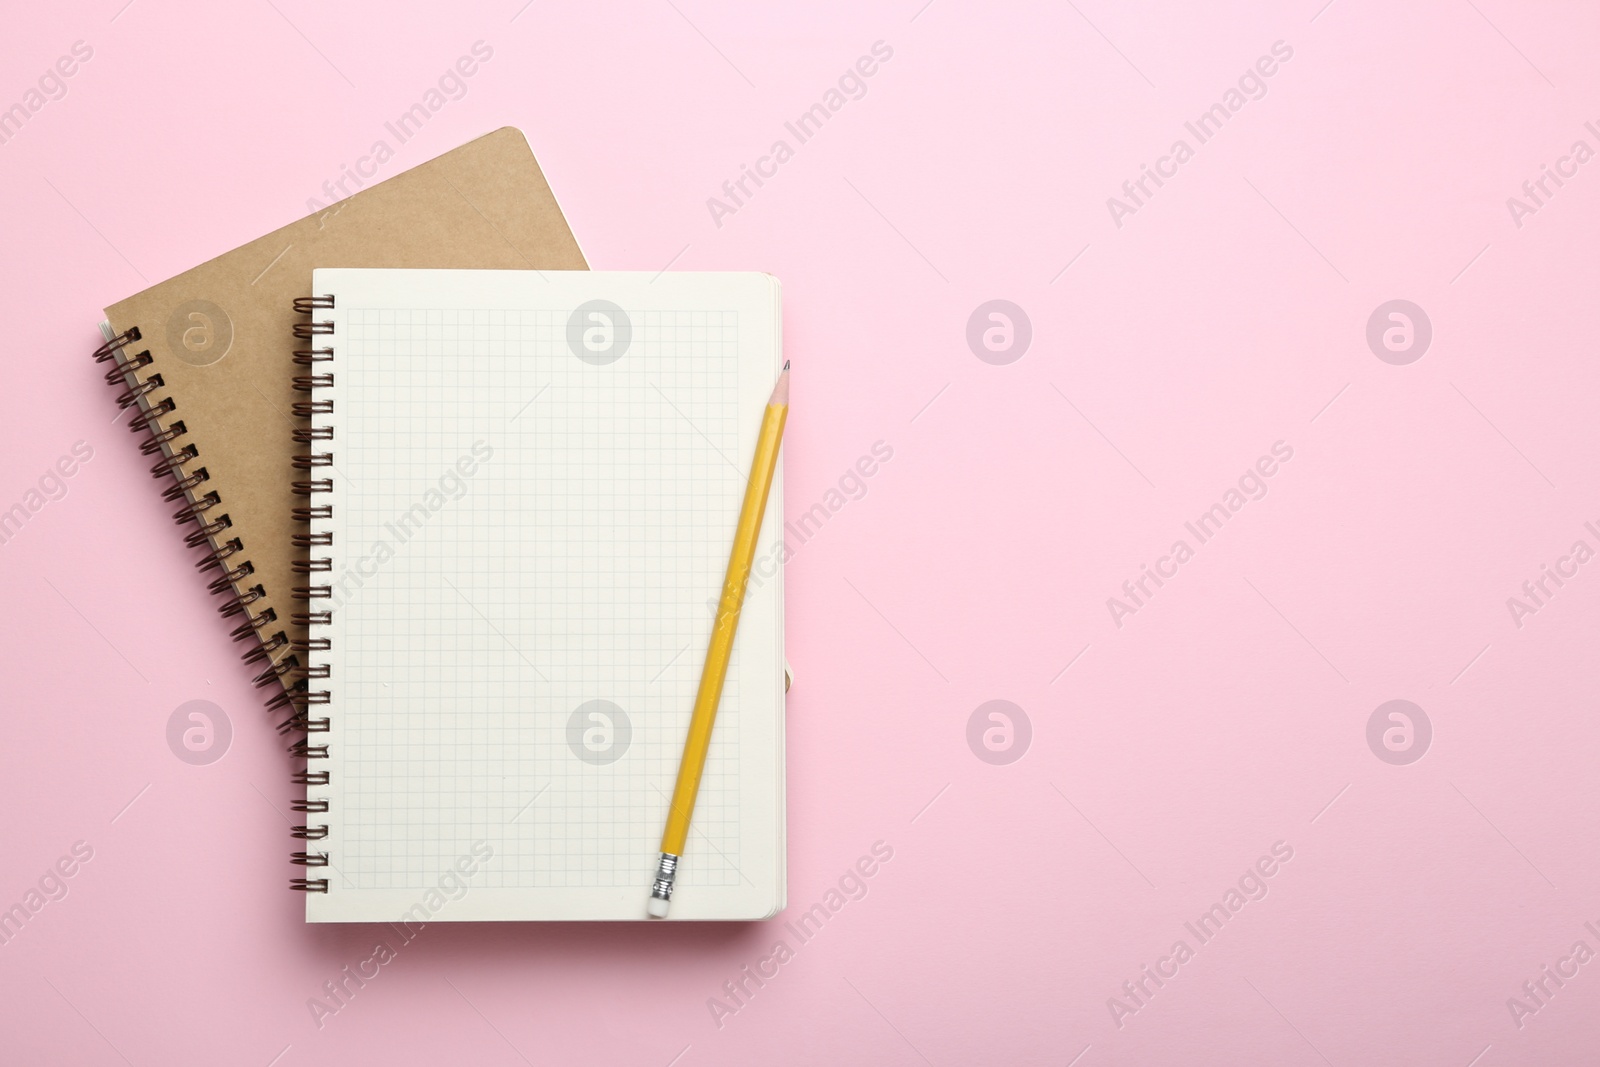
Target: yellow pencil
x=715 y=672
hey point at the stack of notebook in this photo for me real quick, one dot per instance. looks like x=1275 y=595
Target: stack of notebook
x=466 y=503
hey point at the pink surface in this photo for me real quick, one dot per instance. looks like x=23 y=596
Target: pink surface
x=1167 y=756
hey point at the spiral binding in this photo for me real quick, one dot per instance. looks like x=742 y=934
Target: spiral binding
x=301 y=699
x=202 y=508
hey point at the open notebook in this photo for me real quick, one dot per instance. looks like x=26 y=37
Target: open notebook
x=531 y=493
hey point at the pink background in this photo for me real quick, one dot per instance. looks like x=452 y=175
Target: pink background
x=1228 y=714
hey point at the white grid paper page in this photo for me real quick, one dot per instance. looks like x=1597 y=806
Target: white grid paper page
x=529 y=535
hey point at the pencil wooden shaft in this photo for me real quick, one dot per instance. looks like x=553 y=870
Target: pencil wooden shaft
x=722 y=631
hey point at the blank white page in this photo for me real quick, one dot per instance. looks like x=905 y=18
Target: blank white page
x=535 y=482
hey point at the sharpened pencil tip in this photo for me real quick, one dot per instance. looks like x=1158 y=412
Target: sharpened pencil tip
x=785 y=364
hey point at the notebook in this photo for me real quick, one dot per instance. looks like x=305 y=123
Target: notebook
x=206 y=359
x=527 y=487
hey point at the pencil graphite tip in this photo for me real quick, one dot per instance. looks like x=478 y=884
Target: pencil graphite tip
x=785 y=364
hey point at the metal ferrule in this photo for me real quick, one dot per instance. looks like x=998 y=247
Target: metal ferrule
x=666 y=876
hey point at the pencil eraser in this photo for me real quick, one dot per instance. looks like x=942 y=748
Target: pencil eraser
x=657 y=908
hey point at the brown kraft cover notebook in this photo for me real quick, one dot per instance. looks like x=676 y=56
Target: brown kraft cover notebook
x=208 y=359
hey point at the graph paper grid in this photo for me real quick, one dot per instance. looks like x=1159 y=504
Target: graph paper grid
x=528 y=547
